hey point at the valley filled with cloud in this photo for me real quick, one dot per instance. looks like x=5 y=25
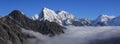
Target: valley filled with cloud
x=76 y=35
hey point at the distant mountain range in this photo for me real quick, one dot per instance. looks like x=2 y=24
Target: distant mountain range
x=66 y=18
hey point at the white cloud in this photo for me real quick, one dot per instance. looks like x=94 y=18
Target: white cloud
x=75 y=35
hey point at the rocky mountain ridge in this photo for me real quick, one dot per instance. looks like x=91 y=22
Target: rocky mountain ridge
x=12 y=24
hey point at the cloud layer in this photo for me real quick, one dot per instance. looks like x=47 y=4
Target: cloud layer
x=75 y=35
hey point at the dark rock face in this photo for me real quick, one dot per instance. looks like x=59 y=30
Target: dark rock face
x=77 y=23
x=82 y=22
x=10 y=28
x=101 y=24
x=10 y=34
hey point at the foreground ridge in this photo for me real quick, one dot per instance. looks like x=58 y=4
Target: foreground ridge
x=12 y=25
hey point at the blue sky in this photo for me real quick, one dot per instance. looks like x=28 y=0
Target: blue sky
x=80 y=8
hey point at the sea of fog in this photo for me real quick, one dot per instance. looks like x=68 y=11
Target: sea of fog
x=74 y=35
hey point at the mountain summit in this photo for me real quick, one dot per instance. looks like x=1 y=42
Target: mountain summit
x=103 y=19
x=61 y=17
x=47 y=14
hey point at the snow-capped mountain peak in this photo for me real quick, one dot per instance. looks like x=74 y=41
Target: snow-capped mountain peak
x=115 y=21
x=65 y=15
x=103 y=19
x=50 y=15
x=35 y=17
x=47 y=14
x=46 y=9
